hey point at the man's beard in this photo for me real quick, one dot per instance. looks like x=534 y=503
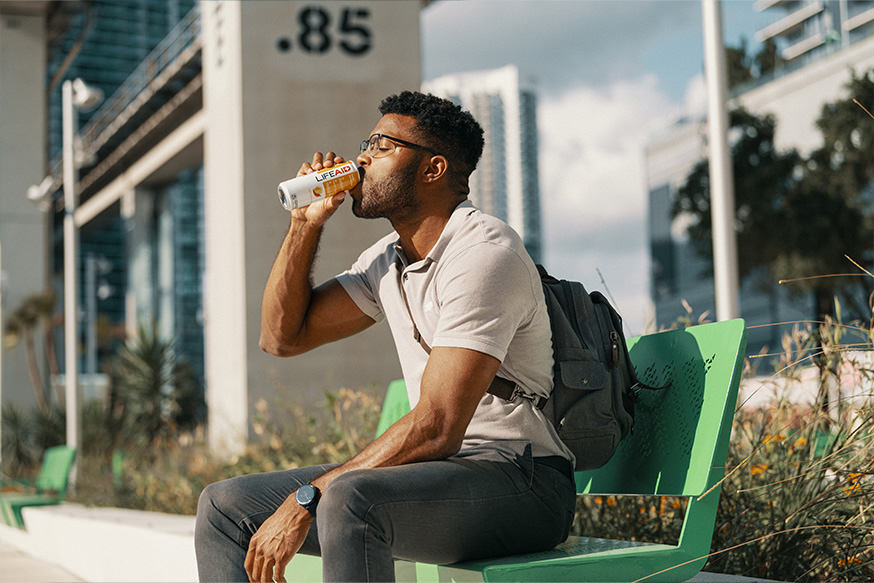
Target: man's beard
x=390 y=197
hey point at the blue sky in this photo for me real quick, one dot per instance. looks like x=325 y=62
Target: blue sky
x=608 y=74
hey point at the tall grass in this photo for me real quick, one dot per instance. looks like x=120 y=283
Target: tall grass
x=798 y=503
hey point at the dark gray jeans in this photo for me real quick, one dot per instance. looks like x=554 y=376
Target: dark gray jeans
x=460 y=508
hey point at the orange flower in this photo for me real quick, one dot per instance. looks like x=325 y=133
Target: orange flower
x=853 y=481
x=770 y=438
x=758 y=469
x=611 y=501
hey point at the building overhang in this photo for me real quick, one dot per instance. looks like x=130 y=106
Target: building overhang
x=859 y=20
x=790 y=22
x=804 y=46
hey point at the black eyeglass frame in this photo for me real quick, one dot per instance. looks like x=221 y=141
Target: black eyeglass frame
x=365 y=144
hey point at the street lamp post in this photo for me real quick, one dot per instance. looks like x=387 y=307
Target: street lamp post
x=725 y=268
x=74 y=95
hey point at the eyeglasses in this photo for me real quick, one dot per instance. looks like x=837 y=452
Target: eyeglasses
x=379 y=145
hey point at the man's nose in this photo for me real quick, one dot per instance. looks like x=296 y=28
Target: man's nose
x=363 y=159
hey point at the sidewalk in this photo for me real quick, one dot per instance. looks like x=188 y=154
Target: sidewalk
x=18 y=567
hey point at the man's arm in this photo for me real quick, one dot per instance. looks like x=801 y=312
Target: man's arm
x=454 y=381
x=295 y=317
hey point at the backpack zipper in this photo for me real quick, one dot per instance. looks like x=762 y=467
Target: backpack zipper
x=614 y=345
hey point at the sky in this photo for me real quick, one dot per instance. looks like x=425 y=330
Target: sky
x=608 y=75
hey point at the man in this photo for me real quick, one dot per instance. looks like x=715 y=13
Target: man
x=466 y=474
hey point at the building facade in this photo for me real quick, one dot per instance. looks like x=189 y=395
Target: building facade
x=208 y=106
x=794 y=94
x=807 y=30
x=506 y=182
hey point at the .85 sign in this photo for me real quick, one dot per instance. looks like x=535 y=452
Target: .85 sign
x=319 y=31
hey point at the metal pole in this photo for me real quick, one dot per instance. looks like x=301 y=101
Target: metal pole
x=721 y=180
x=71 y=267
x=845 y=34
x=91 y=317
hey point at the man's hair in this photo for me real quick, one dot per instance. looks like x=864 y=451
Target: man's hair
x=447 y=128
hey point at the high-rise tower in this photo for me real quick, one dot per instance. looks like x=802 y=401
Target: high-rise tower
x=506 y=182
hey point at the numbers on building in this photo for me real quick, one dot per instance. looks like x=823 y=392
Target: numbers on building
x=319 y=31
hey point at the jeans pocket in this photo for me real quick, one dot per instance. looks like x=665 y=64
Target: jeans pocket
x=525 y=462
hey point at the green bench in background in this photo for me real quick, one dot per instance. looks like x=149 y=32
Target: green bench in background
x=50 y=487
x=678 y=448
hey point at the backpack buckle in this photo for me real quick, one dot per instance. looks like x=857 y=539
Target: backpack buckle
x=535 y=399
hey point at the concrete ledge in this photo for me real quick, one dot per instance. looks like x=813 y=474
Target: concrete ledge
x=108 y=544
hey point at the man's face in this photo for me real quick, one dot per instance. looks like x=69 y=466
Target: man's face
x=389 y=186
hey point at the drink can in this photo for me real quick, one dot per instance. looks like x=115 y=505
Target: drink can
x=307 y=189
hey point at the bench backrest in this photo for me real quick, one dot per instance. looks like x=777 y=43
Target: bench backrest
x=680 y=438
x=55 y=470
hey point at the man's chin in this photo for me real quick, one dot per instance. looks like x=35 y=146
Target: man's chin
x=359 y=211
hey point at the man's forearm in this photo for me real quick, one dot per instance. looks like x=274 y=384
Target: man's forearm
x=416 y=437
x=289 y=288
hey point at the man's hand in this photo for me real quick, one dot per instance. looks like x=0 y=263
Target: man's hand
x=272 y=547
x=320 y=211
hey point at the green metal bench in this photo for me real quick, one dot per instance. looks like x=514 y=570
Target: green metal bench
x=678 y=448
x=50 y=487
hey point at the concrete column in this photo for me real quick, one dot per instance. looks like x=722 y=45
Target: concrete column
x=140 y=302
x=22 y=163
x=281 y=80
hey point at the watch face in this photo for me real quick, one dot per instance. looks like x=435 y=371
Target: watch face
x=306 y=494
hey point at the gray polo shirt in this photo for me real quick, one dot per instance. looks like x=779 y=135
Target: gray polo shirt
x=478 y=289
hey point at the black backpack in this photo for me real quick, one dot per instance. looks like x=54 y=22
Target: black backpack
x=594 y=383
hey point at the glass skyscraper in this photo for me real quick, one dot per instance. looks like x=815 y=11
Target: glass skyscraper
x=110 y=44
x=506 y=182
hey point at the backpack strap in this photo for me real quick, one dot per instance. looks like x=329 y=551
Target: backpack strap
x=417 y=336
x=500 y=387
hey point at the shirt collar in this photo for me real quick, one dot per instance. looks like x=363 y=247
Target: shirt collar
x=456 y=219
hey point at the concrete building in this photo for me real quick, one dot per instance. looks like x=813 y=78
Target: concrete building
x=506 y=182
x=805 y=30
x=208 y=107
x=794 y=94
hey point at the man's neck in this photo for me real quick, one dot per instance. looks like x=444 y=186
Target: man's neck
x=419 y=234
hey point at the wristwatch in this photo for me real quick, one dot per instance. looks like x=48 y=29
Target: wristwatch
x=308 y=497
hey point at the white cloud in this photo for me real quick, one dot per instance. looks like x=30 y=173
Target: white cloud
x=696 y=96
x=557 y=43
x=593 y=187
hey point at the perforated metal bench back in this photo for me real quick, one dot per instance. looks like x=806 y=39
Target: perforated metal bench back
x=681 y=433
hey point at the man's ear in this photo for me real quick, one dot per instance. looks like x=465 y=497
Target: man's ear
x=437 y=168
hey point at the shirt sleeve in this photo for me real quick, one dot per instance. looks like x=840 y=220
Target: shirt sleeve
x=485 y=294
x=361 y=283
